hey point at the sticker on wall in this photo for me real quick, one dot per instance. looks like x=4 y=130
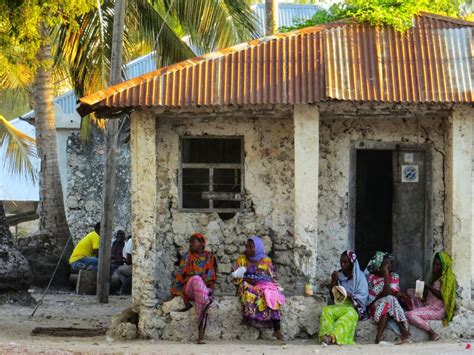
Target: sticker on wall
x=409 y=173
x=408 y=157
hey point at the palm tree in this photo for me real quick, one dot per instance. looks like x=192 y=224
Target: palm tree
x=84 y=53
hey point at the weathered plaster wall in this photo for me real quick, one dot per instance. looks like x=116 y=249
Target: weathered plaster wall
x=269 y=170
x=336 y=135
x=458 y=171
x=85 y=178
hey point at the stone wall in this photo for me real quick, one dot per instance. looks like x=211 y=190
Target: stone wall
x=269 y=156
x=336 y=137
x=85 y=178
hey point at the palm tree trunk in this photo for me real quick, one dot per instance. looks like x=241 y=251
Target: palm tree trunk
x=271 y=12
x=52 y=216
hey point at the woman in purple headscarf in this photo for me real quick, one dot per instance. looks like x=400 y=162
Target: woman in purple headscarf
x=257 y=288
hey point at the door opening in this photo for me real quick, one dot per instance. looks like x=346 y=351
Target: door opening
x=374 y=197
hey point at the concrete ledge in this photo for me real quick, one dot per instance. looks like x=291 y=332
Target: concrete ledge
x=300 y=319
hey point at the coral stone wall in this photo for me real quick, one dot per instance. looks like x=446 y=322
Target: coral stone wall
x=268 y=212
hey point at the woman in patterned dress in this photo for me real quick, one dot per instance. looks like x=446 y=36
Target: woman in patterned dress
x=384 y=290
x=258 y=291
x=439 y=297
x=338 y=322
x=195 y=280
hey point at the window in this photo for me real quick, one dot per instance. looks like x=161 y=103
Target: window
x=211 y=174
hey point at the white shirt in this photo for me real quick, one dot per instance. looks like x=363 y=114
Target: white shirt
x=127 y=248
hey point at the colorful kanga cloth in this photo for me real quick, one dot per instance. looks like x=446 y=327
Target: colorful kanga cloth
x=388 y=304
x=448 y=286
x=193 y=264
x=432 y=309
x=339 y=321
x=260 y=296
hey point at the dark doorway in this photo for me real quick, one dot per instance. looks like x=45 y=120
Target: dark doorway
x=374 y=198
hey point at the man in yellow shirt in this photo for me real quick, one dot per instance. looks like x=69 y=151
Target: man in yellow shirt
x=85 y=254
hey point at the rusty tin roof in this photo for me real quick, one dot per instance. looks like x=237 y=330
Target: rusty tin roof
x=431 y=62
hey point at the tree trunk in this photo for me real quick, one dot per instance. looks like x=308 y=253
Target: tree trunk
x=108 y=197
x=52 y=216
x=53 y=231
x=271 y=16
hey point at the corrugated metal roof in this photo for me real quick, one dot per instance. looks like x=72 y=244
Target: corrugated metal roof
x=13 y=187
x=432 y=62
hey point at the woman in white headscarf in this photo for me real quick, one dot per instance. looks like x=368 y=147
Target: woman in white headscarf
x=338 y=322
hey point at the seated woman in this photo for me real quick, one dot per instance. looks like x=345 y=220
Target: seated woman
x=384 y=289
x=338 y=322
x=195 y=280
x=439 y=297
x=258 y=290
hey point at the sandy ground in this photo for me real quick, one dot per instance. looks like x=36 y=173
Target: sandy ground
x=70 y=310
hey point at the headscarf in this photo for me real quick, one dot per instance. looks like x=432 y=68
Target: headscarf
x=376 y=262
x=201 y=238
x=259 y=249
x=357 y=284
x=448 y=285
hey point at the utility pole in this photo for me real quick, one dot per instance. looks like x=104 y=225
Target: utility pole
x=108 y=192
x=271 y=16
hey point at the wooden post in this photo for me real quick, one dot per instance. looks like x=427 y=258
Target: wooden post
x=108 y=192
x=271 y=13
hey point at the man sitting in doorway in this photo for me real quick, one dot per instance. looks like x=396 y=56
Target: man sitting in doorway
x=124 y=272
x=85 y=254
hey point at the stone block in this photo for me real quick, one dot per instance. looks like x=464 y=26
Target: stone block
x=86 y=282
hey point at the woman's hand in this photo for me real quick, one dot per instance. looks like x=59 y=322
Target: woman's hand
x=335 y=276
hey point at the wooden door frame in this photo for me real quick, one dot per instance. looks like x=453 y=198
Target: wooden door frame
x=394 y=146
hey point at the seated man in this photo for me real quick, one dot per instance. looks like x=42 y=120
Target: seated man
x=116 y=256
x=85 y=254
x=124 y=272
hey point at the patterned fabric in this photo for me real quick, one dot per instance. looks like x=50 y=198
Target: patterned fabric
x=448 y=286
x=339 y=321
x=193 y=264
x=432 y=309
x=197 y=291
x=376 y=262
x=388 y=304
x=255 y=295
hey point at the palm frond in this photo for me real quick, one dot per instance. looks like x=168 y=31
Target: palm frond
x=215 y=24
x=14 y=76
x=20 y=148
x=154 y=25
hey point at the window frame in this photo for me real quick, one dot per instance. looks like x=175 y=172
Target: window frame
x=211 y=167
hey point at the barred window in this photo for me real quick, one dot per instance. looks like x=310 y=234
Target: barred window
x=211 y=174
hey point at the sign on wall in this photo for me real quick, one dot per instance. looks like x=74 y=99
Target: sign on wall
x=409 y=173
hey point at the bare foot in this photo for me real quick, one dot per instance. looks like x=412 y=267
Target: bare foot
x=277 y=334
x=329 y=340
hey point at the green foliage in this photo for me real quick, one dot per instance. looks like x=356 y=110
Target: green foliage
x=396 y=13
x=21 y=21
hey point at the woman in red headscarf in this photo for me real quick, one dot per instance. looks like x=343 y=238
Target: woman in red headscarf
x=195 y=280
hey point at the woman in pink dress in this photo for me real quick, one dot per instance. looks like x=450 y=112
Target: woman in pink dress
x=440 y=290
